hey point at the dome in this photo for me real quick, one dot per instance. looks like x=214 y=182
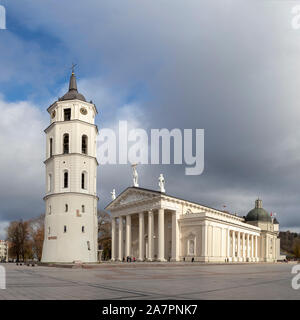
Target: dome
x=258 y=213
x=73 y=93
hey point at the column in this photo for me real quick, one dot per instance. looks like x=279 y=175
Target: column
x=141 y=236
x=228 y=244
x=161 y=235
x=256 y=257
x=267 y=248
x=121 y=252
x=150 y=235
x=239 y=246
x=243 y=246
x=247 y=249
x=204 y=242
x=128 y=235
x=252 y=247
x=113 y=239
x=233 y=245
x=175 y=238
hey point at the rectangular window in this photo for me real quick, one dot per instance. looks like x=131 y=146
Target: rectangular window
x=65 y=229
x=66 y=180
x=67 y=114
x=82 y=229
x=51 y=147
x=83 y=208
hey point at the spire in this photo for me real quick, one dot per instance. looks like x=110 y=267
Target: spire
x=73 y=93
x=73 y=83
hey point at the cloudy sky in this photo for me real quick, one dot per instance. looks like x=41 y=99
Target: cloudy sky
x=230 y=67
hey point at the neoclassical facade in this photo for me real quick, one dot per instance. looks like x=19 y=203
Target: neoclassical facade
x=151 y=225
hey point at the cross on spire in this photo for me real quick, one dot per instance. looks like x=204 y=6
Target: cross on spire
x=73 y=67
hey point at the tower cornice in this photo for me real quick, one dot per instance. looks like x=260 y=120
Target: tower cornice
x=70 y=121
x=71 y=153
x=70 y=192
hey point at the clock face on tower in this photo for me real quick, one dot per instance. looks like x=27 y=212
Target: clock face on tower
x=53 y=114
x=83 y=111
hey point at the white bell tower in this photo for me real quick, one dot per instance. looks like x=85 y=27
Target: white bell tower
x=71 y=229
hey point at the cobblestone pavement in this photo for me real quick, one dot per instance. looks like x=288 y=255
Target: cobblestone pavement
x=151 y=281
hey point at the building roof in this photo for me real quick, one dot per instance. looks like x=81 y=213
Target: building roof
x=167 y=195
x=258 y=213
x=73 y=93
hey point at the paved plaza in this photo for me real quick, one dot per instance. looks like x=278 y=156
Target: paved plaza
x=151 y=281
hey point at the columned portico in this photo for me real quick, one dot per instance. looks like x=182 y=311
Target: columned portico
x=160 y=228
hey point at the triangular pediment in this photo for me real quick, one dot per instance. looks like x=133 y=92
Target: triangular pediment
x=131 y=196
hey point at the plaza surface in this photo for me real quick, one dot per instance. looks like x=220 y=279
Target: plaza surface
x=151 y=281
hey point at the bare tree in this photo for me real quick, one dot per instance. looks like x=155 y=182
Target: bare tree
x=36 y=235
x=18 y=238
x=296 y=248
x=104 y=233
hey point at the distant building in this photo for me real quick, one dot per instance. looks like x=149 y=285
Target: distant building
x=3 y=251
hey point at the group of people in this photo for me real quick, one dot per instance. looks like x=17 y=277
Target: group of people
x=129 y=259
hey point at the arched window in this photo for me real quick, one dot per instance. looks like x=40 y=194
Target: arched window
x=66 y=143
x=66 y=208
x=51 y=147
x=66 y=179
x=83 y=180
x=84 y=144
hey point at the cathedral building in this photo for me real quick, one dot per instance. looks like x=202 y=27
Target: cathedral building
x=151 y=225
x=71 y=229
x=147 y=224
